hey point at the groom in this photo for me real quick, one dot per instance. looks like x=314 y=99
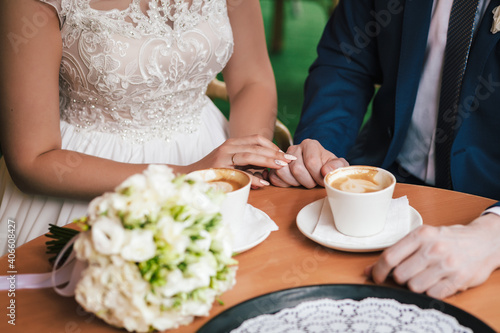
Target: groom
x=418 y=129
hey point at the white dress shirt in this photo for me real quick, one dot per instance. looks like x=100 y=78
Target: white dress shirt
x=417 y=154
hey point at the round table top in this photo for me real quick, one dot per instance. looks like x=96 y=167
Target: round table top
x=286 y=259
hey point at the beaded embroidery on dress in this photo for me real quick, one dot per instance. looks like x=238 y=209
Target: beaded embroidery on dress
x=133 y=78
x=142 y=71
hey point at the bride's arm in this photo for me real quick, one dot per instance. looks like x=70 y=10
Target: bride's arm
x=29 y=110
x=249 y=75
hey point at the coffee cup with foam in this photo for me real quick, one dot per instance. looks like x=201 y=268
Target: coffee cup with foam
x=359 y=197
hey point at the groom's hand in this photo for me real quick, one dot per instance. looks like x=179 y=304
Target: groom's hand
x=442 y=261
x=312 y=164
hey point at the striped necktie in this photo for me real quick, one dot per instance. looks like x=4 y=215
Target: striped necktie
x=460 y=32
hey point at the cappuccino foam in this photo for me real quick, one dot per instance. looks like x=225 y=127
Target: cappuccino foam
x=362 y=180
x=225 y=185
x=225 y=180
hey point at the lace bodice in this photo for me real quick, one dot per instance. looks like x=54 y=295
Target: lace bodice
x=141 y=70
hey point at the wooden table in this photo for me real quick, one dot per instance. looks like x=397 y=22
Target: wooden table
x=286 y=259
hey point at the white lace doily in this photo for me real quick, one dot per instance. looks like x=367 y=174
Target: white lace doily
x=371 y=315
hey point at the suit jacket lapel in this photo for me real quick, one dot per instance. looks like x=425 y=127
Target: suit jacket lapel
x=481 y=48
x=416 y=22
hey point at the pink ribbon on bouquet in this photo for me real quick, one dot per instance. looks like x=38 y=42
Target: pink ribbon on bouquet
x=69 y=273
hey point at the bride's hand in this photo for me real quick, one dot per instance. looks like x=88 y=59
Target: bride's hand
x=250 y=152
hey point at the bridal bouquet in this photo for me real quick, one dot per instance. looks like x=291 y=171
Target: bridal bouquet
x=157 y=252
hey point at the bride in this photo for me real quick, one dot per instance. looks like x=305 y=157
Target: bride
x=92 y=91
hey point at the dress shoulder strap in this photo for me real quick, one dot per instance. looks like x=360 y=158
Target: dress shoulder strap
x=61 y=7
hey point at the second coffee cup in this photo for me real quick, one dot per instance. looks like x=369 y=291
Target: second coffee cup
x=236 y=185
x=359 y=197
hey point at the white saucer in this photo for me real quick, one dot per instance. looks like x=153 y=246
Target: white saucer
x=308 y=218
x=250 y=243
x=252 y=230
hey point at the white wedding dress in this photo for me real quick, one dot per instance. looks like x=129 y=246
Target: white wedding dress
x=133 y=79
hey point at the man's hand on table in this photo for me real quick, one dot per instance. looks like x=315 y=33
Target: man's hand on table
x=312 y=164
x=442 y=261
x=438 y=261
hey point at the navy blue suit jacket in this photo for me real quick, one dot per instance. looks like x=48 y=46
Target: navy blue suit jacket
x=369 y=42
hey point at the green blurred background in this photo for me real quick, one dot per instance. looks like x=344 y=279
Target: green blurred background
x=303 y=24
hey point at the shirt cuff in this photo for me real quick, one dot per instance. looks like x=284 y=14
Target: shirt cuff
x=494 y=210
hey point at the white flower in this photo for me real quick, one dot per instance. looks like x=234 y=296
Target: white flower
x=170 y=320
x=116 y=203
x=140 y=245
x=107 y=235
x=83 y=247
x=173 y=285
x=136 y=183
x=105 y=288
x=496 y=20
x=173 y=233
x=196 y=308
x=89 y=291
x=201 y=272
x=160 y=180
x=205 y=204
x=98 y=206
x=224 y=240
x=138 y=208
x=204 y=243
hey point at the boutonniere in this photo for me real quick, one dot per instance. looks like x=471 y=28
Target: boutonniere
x=495 y=27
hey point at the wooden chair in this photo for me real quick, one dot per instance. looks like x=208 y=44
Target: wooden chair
x=282 y=136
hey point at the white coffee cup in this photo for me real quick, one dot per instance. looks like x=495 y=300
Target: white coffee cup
x=359 y=197
x=235 y=183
